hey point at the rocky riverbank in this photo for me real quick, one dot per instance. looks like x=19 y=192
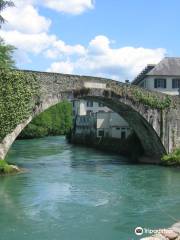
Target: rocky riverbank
x=172 y=233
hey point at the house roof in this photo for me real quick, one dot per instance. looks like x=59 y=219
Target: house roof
x=169 y=66
x=143 y=74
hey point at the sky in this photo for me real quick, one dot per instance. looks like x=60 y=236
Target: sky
x=114 y=39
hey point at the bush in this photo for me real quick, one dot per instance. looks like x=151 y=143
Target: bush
x=5 y=168
x=172 y=158
x=33 y=131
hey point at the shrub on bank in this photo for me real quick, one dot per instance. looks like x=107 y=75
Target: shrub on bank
x=5 y=168
x=172 y=158
x=33 y=131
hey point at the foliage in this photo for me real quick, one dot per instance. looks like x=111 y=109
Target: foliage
x=3 y=5
x=140 y=95
x=17 y=97
x=6 y=52
x=5 y=168
x=151 y=100
x=57 y=120
x=172 y=158
x=33 y=131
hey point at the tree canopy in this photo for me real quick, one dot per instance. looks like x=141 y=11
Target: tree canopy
x=3 y=5
x=57 y=120
x=6 y=51
x=6 y=55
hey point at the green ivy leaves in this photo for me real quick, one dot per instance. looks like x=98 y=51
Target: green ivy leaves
x=151 y=100
x=18 y=92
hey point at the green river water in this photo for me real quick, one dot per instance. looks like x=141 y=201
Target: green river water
x=75 y=193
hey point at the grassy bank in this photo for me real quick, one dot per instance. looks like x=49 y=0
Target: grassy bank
x=5 y=168
x=172 y=159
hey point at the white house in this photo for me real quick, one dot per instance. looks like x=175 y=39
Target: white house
x=82 y=107
x=111 y=124
x=163 y=77
x=92 y=118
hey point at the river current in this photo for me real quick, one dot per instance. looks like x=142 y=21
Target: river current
x=76 y=193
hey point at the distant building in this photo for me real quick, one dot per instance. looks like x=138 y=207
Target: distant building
x=163 y=77
x=92 y=118
x=82 y=107
x=112 y=125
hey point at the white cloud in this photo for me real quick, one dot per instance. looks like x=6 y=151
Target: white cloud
x=59 y=48
x=62 y=67
x=74 y=7
x=32 y=43
x=100 y=59
x=99 y=45
x=27 y=30
x=69 y=6
x=25 y=18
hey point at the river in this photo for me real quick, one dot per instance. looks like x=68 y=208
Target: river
x=74 y=193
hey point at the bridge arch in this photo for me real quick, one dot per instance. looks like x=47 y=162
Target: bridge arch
x=149 y=139
x=149 y=119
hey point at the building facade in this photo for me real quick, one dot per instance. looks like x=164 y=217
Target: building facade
x=163 y=77
x=97 y=120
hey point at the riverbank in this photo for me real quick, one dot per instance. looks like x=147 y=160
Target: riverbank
x=8 y=169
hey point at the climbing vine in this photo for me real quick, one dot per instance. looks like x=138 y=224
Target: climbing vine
x=18 y=91
x=151 y=99
x=135 y=94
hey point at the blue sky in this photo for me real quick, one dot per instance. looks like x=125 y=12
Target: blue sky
x=113 y=39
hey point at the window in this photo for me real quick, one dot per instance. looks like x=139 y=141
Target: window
x=176 y=83
x=101 y=133
x=159 y=83
x=89 y=103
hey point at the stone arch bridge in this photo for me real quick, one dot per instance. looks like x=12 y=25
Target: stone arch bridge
x=153 y=116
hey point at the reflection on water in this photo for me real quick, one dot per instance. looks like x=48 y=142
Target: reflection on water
x=77 y=193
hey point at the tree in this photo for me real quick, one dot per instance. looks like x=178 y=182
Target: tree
x=3 y=5
x=6 y=52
